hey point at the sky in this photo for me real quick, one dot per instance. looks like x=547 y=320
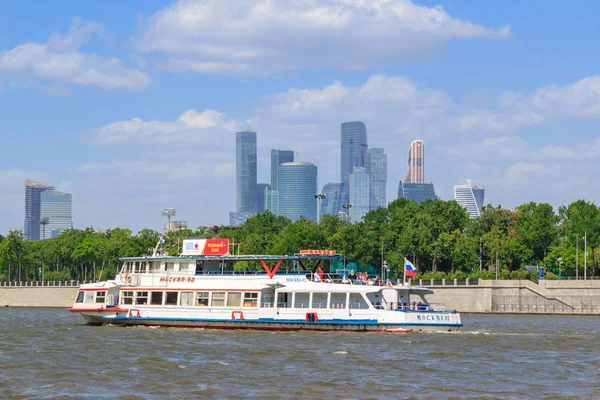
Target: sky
x=133 y=106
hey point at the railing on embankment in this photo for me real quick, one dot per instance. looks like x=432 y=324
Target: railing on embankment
x=70 y=283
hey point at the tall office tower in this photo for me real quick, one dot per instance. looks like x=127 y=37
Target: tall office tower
x=416 y=163
x=336 y=194
x=245 y=168
x=297 y=189
x=261 y=196
x=279 y=157
x=33 y=191
x=377 y=171
x=354 y=148
x=56 y=211
x=272 y=201
x=245 y=177
x=359 y=194
x=471 y=197
x=418 y=192
x=175 y=226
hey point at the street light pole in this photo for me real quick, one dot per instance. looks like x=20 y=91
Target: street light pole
x=585 y=256
x=44 y=221
x=347 y=207
x=577 y=257
x=169 y=212
x=319 y=197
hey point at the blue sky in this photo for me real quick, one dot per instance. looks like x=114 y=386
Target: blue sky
x=132 y=106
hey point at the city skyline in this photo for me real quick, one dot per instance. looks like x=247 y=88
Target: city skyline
x=103 y=99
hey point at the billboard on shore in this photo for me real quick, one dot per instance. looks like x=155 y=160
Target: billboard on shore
x=205 y=247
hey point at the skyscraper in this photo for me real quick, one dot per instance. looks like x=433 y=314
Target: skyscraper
x=418 y=192
x=245 y=169
x=471 y=197
x=416 y=163
x=279 y=157
x=261 y=196
x=377 y=171
x=354 y=148
x=359 y=194
x=297 y=189
x=56 y=208
x=44 y=204
x=336 y=193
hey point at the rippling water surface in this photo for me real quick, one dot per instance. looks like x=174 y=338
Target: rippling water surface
x=49 y=353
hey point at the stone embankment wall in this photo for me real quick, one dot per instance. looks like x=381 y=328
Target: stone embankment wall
x=37 y=296
x=482 y=296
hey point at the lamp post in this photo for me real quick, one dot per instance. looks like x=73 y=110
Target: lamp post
x=169 y=212
x=319 y=197
x=560 y=260
x=347 y=207
x=44 y=221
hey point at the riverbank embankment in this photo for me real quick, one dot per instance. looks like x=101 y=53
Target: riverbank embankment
x=468 y=296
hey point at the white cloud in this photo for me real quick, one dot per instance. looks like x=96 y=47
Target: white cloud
x=233 y=37
x=60 y=60
x=208 y=126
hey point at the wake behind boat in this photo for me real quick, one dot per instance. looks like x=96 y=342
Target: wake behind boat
x=201 y=290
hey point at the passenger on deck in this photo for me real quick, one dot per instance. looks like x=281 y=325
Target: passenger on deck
x=352 y=275
x=377 y=281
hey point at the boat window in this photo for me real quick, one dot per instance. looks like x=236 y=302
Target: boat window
x=156 y=298
x=170 y=266
x=357 y=301
x=202 y=299
x=185 y=267
x=250 y=299
x=127 y=297
x=319 y=300
x=186 y=299
x=79 y=297
x=266 y=299
x=100 y=297
x=129 y=266
x=141 y=297
x=171 y=299
x=153 y=266
x=302 y=300
x=338 y=300
x=217 y=299
x=375 y=299
x=234 y=299
x=282 y=300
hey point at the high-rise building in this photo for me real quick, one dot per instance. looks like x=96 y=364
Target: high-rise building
x=175 y=226
x=272 y=201
x=261 y=196
x=354 y=148
x=471 y=197
x=418 y=192
x=45 y=211
x=359 y=194
x=416 y=163
x=297 y=189
x=55 y=212
x=377 y=171
x=245 y=168
x=279 y=157
x=337 y=194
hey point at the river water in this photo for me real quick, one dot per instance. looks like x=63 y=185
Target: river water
x=50 y=353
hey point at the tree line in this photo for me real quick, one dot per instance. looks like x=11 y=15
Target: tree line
x=437 y=236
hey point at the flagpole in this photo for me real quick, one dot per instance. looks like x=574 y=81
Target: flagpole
x=404 y=281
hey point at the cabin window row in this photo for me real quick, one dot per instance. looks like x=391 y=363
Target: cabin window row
x=187 y=298
x=335 y=301
x=157 y=266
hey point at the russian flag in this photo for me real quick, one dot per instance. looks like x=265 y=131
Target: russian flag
x=410 y=269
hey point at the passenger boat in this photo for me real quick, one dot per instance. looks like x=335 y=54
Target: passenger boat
x=202 y=290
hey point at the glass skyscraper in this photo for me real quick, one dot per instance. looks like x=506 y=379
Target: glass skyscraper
x=471 y=197
x=377 y=170
x=33 y=208
x=245 y=169
x=279 y=157
x=261 y=196
x=359 y=194
x=297 y=189
x=57 y=207
x=418 y=192
x=336 y=193
x=272 y=201
x=354 y=148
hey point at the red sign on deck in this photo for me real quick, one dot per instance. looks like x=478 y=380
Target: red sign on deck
x=216 y=247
